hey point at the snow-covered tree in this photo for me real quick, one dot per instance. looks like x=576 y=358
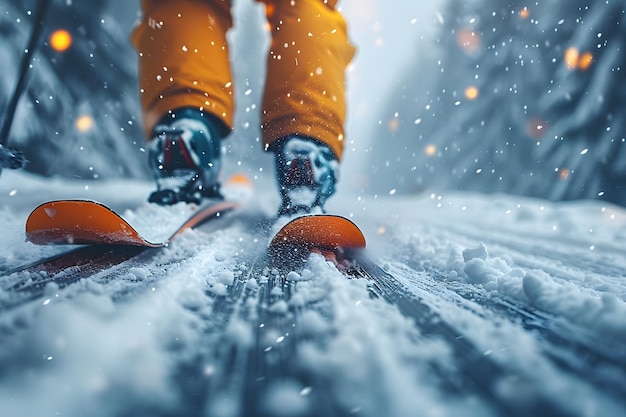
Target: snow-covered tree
x=79 y=115
x=526 y=102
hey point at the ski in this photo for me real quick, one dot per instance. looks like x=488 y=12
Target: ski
x=108 y=238
x=337 y=238
x=90 y=222
x=66 y=268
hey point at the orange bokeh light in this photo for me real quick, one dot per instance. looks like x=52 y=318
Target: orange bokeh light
x=524 y=13
x=468 y=39
x=430 y=150
x=241 y=179
x=60 y=40
x=563 y=173
x=575 y=60
x=585 y=61
x=471 y=93
x=571 y=58
x=394 y=124
x=84 y=123
x=536 y=128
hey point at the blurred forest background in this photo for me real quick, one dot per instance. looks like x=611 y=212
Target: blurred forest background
x=521 y=97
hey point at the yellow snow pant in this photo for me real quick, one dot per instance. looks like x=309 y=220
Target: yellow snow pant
x=184 y=62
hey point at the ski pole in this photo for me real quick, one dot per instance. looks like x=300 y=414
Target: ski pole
x=11 y=158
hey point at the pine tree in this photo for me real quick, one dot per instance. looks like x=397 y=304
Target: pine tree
x=587 y=105
x=527 y=101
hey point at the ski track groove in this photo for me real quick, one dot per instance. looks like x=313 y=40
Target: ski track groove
x=564 y=349
x=556 y=261
x=274 y=356
x=482 y=374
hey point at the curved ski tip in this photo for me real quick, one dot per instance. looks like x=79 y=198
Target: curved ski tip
x=323 y=231
x=80 y=222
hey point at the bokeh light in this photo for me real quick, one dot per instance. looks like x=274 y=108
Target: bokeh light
x=471 y=93
x=60 y=40
x=575 y=60
x=468 y=40
x=84 y=123
x=536 y=127
x=585 y=61
x=524 y=13
x=394 y=124
x=430 y=150
x=240 y=179
x=571 y=58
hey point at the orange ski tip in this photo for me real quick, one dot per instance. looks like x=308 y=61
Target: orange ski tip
x=324 y=231
x=215 y=209
x=79 y=222
x=89 y=222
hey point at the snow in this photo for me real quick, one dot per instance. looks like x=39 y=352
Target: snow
x=500 y=305
x=136 y=333
x=142 y=220
x=565 y=258
x=286 y=398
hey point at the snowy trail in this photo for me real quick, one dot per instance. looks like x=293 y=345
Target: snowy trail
x=455 y=313
x=176 y=289
x=563 y=265
x=549 y=309
x=518 y=344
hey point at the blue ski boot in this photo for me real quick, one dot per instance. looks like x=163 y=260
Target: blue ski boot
x=307 y=171
x=185 y=158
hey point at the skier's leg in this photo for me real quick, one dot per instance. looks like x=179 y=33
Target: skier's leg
x=305 y=87
x=304 y=101
x=183 y=59
x=186 y=94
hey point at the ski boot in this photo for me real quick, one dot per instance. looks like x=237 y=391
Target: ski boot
x=185 y=158
x=307 y=171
